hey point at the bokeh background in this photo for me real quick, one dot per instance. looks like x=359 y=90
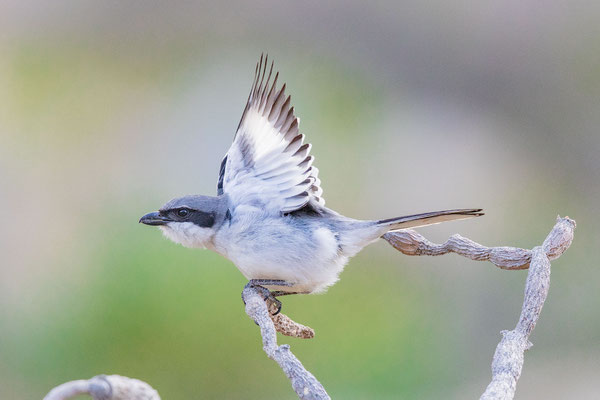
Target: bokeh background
x=108 y=109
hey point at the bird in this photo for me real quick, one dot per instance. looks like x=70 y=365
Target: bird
x=269 y=216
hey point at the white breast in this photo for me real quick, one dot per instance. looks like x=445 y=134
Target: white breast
x=273 y=249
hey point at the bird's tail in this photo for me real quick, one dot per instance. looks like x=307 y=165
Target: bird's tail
x=430 y=218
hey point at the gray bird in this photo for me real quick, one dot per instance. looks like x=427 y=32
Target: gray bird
x=269 y=215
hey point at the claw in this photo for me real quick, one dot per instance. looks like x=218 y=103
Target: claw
x=274 y=302
x=268 y=297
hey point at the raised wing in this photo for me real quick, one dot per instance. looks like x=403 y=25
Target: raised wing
x=268 y=165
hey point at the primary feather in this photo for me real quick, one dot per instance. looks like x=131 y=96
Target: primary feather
x=268 y=163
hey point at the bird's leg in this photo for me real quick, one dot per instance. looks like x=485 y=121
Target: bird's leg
x=268 y=282
x=277 y=293
x=269 y=296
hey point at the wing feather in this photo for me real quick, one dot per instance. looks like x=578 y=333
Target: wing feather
x=268 y=163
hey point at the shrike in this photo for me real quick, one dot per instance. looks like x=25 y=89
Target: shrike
x=269 y=215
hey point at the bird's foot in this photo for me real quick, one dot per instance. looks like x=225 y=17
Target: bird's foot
x=273 y=305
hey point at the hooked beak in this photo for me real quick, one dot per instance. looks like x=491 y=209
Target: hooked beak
x=154 y=218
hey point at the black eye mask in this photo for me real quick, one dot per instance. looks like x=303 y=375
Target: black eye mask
x=202 y=219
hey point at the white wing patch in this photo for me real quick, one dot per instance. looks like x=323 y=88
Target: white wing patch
x=268 y=165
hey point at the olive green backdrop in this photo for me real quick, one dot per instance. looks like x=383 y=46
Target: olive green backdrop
x=109 y=109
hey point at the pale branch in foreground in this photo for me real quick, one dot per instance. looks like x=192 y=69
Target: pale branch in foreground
x=105 y=387
x=508 y=358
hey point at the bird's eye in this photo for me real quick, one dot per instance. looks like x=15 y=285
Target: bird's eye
x=183 y=212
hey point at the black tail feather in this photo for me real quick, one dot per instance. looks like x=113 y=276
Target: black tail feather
x=430 y=218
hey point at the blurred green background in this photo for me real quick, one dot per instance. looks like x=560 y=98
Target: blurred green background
x=108 y=109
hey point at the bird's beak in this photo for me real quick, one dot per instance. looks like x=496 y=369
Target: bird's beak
x=154 y=218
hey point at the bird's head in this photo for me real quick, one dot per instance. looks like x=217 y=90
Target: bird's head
x=191 y=220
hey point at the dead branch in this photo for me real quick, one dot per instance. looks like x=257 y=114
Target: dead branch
x=508 y=358
x=103 y=387
x=303 y=382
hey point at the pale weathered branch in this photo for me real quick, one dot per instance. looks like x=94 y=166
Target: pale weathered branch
x=413 y=243
x=286 y=326
x=508 y=358
x=103 y=387
x=303 y=382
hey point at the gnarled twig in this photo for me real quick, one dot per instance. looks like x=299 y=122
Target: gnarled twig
x=508 y=358
x=303 y=382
